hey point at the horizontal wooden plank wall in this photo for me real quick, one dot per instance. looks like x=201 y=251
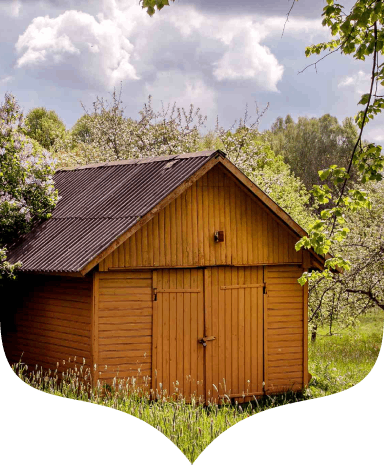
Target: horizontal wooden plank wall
x=234 y=316
x=284 y=329
x=124 y=331
x=182 y=234
x=52 y=323
x=178 y=357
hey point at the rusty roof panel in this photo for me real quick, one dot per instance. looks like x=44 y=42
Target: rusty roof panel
x=99 y=203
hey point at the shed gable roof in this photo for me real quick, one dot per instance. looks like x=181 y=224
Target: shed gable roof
x=102 y=204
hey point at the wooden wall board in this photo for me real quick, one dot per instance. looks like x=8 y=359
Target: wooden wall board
x=52 y=323
x=182 y=233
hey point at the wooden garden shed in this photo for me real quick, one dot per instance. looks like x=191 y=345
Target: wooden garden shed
x=177 y=268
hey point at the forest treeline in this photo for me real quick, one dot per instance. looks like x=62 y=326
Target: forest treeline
x=284 y=161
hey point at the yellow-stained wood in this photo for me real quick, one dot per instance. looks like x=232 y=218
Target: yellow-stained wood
x=124 y=326
x=284 y=329
x=178 y=328
x=305 y=336
x=181 y=234
x=234 y=359
x=52 y=323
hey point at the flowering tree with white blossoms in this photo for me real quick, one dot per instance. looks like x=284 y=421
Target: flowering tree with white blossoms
x=27 y=192
x=111 y=136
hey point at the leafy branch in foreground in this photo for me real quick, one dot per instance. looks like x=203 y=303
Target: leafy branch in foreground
x=360 y=34
x=150 y=5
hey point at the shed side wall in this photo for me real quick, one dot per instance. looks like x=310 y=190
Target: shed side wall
x=284 y=319
x=182 y=234
x=52 y=322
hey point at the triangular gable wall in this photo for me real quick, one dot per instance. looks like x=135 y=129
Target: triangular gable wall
x=182 y=234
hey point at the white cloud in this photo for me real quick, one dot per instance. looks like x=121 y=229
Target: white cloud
x=92 y=50
x=374 y=131
x=243 y=57
x=360 y=81
x=122 y=43
x=246 y=59
x=12 y=8
x=6 y=79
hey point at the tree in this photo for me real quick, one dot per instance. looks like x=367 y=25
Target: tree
x=27 y=193
x=110 y=136
x=82 y=131
x=44 y=126
x=310 y=144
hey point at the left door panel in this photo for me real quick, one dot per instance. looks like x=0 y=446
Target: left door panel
x=178 y=324
x=124 y=326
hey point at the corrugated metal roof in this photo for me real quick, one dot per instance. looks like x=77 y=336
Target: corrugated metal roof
x=98 y=203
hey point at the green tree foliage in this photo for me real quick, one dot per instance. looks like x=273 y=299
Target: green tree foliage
x=311 y=144
x=82 y=130
x=27 y=192
x=45 y=127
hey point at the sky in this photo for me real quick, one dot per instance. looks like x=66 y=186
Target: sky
x=219 y=55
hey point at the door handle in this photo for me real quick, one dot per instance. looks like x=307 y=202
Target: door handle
x=204 y=340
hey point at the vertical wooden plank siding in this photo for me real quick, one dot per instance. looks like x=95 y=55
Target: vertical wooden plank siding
x=234 y=360
x=95 y=328
x=52 y=323
x=155 y=324
x=208 y=331
x=180 y=363
x=284 y=321
x=305 y=325
x=182 y=234
x=125 y=327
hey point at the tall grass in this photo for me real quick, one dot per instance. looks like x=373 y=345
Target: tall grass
x=336 y=363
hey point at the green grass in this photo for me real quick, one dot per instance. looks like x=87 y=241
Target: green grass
x=341 y=361
x=336 y=363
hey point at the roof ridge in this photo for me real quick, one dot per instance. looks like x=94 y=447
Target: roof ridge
x=139 y=161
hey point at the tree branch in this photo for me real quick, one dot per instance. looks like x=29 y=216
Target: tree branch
x=368 y=294
x=289 y=12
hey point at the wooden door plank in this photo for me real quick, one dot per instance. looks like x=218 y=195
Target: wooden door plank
x=208 y=331
x=179 y=331
x=187 y=336
x=155 y=331
x=95 y=329
x=241 y=332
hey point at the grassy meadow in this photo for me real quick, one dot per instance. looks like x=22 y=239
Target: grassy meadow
x=336 y=363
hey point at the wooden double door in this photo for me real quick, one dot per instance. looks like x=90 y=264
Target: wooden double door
x=208 y=332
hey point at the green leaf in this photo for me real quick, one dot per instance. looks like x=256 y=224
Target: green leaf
x=364 y=99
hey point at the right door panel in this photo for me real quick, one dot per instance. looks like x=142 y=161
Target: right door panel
x=234 y=315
